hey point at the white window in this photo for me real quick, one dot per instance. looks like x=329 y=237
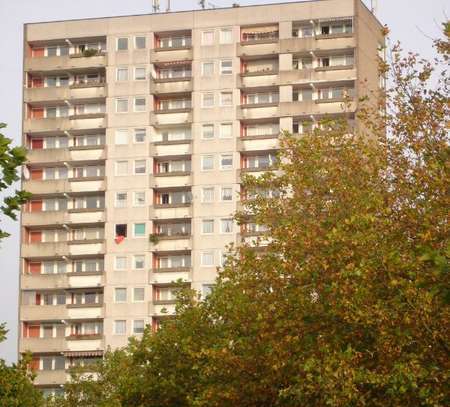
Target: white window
x=120 y=295
x=226 y=67
x=207 y=194
x=139 y=198
x=120 y=327
x=139 y=104
x=121 y=105
x=208 y=68
x=122 y=44
x=226 y=130
x=139 y=135
x=122 y=168
x=208 y=99
x=207 y=131
x=120 y=263
x=139 y=262
x=140 y=42
x=226 y=98
x=226 y=36
x=138 y=294
x=140 y=167
x=226 y=161
x=226 y=225
x=138 y=326
x=121 y=199
x=122 y=74
x=207 y=226
x=121 y=136
x=207 y=162
x=207 y=258
x=140 y=74
x=226 y=194
x=208 y=37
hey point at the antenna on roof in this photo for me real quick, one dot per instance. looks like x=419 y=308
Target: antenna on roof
x=374 y=6
x=202 y=4
x=168 y=6
x=155 y=6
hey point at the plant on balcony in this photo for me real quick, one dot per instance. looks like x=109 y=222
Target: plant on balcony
x=153 y=238
x=90 y=52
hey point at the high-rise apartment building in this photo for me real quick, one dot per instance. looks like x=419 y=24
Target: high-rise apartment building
x=138 y=129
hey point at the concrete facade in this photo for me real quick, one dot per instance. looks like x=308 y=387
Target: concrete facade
x=145 y=123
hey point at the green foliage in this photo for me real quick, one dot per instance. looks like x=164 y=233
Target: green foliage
x=16 y=382
x=347 y=304
x=11 y=158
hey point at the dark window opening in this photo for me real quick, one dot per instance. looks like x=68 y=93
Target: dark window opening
x=121 y=230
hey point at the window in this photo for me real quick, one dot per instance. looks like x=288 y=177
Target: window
x=207 y=162
x=140 y=42
x=226 y=194
x=207 y=258
x=121 y=199
x=120 y=263
x=140 y=167
x=208 y=68
x=120 y=295
x=120 y=327
x=121 y=229
x=226 y=161
x=139 y=230
x=207 y=131
x=207 y=226
x=139 y=104
x=122 y=74
x=208 y=99
x=138 y=294
x=226 y=130
x=207 y=37
x=121 y=105
x=207 y=289
x=226 y=225
x=226 y=67
x=139 y=261
x=138 y=326
x=226 y=36
x=207 y=194
x=226 y=98
x=121 y=167
x=139 y=135
x=139 y=198
x=140 y=74
x=122 y=44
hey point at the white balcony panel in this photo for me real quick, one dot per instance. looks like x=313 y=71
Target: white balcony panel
x=86 y=217
x=85 y=313
x=172 y=213
x=81 y=155
x=166 y=309
x=173 y=118
x=168 y=277
x=260 y=112
x=90 y=248
x=87 y=186
x=175 y=181
x=85 y=281
x=44 y=377
x=259 y=145
x=176 y=149
x=257 y=81
x=86 y=344
x=178 y=244
x=42 y=312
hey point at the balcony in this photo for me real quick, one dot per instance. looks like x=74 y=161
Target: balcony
x=269 y=142
x=61 y=155
x=169 y=275
x=60 y=124
x=171 y=85
x=65 y=62
x=304 y=45
x=76 y=91
x=174 y=46
x=53 y=218
x=54 y=281
x=59 y=249
x=258 y=41
x=317 y=107
x=171 y=148
x=39 y=187
x=40 y=345
x=42 y=312
x=255 y=111
x=47 y=377
x=325 y=74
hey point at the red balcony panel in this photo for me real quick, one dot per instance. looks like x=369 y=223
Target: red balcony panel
x=37 y=173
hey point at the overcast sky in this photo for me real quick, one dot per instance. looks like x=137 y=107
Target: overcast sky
x=411 y=21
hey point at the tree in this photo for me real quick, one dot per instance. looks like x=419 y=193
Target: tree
x=348 y=302
x=16 y=382
x=11 y=158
